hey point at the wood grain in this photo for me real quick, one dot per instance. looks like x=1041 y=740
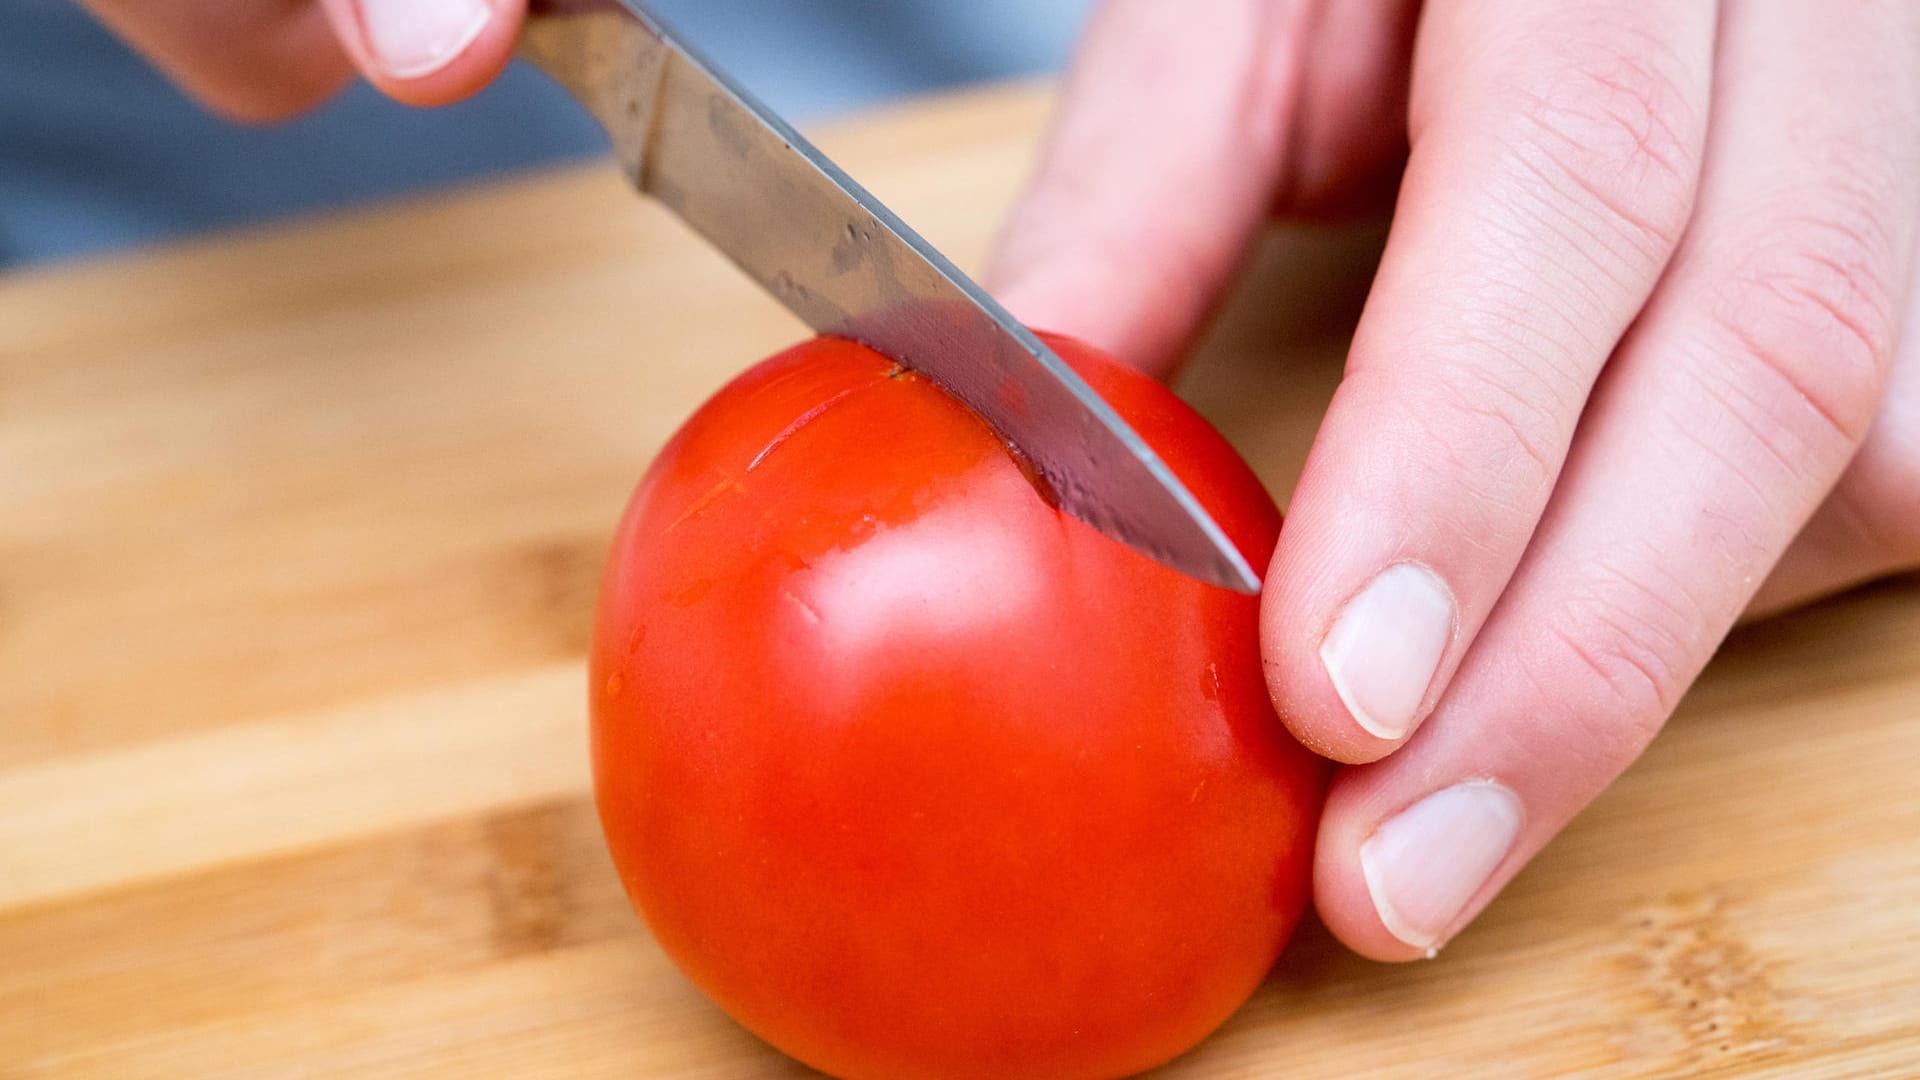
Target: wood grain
x=299 y=532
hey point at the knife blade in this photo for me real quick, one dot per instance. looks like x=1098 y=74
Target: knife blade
x=828 y=251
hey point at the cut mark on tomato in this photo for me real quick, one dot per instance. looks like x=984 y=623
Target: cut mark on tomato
x=727 y=486
x=801 y=421
x=811 y=612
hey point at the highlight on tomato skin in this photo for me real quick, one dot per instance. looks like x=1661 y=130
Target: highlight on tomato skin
x=915 y=775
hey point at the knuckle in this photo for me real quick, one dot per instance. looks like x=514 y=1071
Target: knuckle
x=1630 y=647
x=1878 y=503
x=260 y=108
x=260 y=96
x=1489 y=428
x=1811 y=310
x=1498 y=415
x=1609 y=126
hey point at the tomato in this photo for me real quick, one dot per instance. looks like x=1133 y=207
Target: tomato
x=916 y=775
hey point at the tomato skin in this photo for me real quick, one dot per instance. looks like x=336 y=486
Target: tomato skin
x=917 y=776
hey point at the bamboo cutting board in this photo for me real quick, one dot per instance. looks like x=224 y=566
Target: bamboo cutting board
x=299 y=533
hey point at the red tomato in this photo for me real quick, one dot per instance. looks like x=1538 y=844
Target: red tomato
x=914 y=774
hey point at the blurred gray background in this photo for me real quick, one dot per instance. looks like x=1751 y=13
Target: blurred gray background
x=98 y=152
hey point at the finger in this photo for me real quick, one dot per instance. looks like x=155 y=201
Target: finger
x=1870 y=526
x=1347 y=139
x=1176 y=133
x=1728 y=413
x=428 y=52
x=1554 y=157
x=252 y=60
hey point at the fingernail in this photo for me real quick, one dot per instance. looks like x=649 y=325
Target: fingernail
x=1425 y=863
x=1385 y=646
x=411 y=38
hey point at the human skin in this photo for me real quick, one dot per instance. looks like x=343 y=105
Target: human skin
x=1632 y=366
x=1632 y=369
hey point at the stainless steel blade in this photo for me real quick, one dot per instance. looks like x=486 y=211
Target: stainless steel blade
x=837 y=258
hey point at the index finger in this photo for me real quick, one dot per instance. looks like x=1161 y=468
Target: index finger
x=249 y=60
x=1180 y=129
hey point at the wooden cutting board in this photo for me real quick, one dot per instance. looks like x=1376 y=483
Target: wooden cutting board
x=299 y=534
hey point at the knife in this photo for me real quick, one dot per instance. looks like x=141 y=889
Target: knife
x=828 y=251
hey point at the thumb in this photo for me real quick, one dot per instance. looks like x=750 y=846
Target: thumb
x=1179 y=130
x=427 y=52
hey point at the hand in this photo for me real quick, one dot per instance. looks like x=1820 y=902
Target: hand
x=1631 y=350
x=265 y=60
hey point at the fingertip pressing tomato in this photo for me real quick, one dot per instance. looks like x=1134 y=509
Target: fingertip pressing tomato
x=914 y=774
